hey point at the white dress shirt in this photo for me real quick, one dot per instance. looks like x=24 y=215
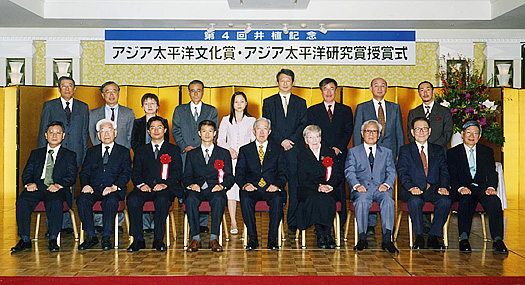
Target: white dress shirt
x=425 y=149
x=64 y=103
x=107 y=110
x=193 y=106
x=111 y=145
x=54 y=155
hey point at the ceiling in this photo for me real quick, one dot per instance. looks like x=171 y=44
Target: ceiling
x=264 y=14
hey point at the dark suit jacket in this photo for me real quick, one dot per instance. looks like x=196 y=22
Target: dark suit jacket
x=412 y=174
x=336 y=133
x=77 y=135
x=197 y=171
x=486 y=175
x=148 y=170
x=64 y=172
x=290 y=127
x=440 y=123
x=394 y=135
x=117 y=172
x=249 y=168
x=312 y=172
x=184 y=128
x=138 y=135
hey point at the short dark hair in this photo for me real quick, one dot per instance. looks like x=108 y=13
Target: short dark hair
x=108 y=83
x=149 y=96
x=417 y=119
x=288 y=72
x=55 y=123
x=196 y=81
x=327 y=81
x=66 y=78
x=207 y=123
x=157 y=118
x=471 y=123
x=423 y=82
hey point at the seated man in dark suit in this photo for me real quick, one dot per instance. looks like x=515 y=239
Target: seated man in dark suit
x=423 y=172
x=49 y=173
x=157 y=170
x=474 y=177
x=207 y=176
x=105 y=172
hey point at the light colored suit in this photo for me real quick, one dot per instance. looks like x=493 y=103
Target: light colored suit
x=125 y=119
x=358 y=172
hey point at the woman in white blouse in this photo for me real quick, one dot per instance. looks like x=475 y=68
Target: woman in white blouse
x=235 y=130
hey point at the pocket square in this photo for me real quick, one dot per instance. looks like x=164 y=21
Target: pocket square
x=438 y=119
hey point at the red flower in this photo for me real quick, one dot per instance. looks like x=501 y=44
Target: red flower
x=219 y=164
x=327 y=161
x=165 y=158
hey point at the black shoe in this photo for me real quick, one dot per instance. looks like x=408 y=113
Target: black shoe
x=361 y=244
x=205 y=229
x=53 y=245
x=88 y=243
x=426 y=230
x=464 y=246
x=149 y=231
x=370 y=231
x=330 y=242
x=21 y=246
x=99 y=229
x=499 y=247
x=67 y=231
x=435 y=243
x=253 y=243
x=137 y=245
x=390 y=247
x=321 y=242
x=272 y=243
x=159 y=245
x=420 y=243
x=46 y=234
x=106 y=243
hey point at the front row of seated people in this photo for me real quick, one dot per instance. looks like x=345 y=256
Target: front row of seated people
x=425 y=174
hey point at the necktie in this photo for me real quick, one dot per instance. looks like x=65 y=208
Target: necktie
x=285 y=107
x=68 y=113
x=261 y=183
x=105 y=157
x=330 y=114
x=206 y=159
x=472 y=163
x=48 y=179
x=112 y=114
x=156 y=151
x=424 y=160
x=381 y=118
x=371 y=159
x=195 y=114
x=427 y=112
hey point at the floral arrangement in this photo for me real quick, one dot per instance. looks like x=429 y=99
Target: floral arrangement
x=467 y=96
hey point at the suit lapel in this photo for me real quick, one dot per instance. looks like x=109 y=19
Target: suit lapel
x=416 y=157
x=363 y=157
x=372 y=109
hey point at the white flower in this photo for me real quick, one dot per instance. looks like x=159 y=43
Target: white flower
x=490 y=105
x=445 y=104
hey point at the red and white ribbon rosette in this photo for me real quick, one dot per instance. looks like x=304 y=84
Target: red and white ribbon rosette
x=219 y=165
x=328 y=162
x=165 y=159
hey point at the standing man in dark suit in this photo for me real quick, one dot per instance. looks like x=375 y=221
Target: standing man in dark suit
x=104 y=175
x=207 y=176
x=388 y=114
x=473 y=176
x=185 y=123
x=423 y=172
x=288 y=114
x=261 y=174
x=336 y=122
x=47 y=176
x=157 y=170
x=74 y=114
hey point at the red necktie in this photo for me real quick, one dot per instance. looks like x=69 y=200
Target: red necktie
x=330 y=115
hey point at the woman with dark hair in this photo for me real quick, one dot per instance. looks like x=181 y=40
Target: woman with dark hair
x=235 y=130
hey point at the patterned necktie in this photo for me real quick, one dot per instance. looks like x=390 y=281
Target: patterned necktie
x=68 y=113
x=105 y=157
x=472 y=163
x=427 y=112
x=381 y=118
x=48 y=179
x=112 y=114
x=261 y=183
x=195 y=114
x=371 y=159
x=207 y=156
x=330 y=114
x=424 y=160
x=285 y=106
x=156 y=151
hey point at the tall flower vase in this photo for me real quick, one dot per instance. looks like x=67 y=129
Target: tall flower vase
x=455 y=140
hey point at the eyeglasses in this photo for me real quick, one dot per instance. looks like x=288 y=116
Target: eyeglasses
x=418 y=130
x=106 y=130
x=371 y=132
x=112 y=91
x=159 y=127
x=51 y=133
x=472 y=133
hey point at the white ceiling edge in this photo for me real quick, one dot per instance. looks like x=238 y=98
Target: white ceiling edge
x=500 y=7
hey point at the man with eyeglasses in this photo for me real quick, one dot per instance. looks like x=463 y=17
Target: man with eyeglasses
x=424 y=177
x=370 y=171
x=474 y=179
